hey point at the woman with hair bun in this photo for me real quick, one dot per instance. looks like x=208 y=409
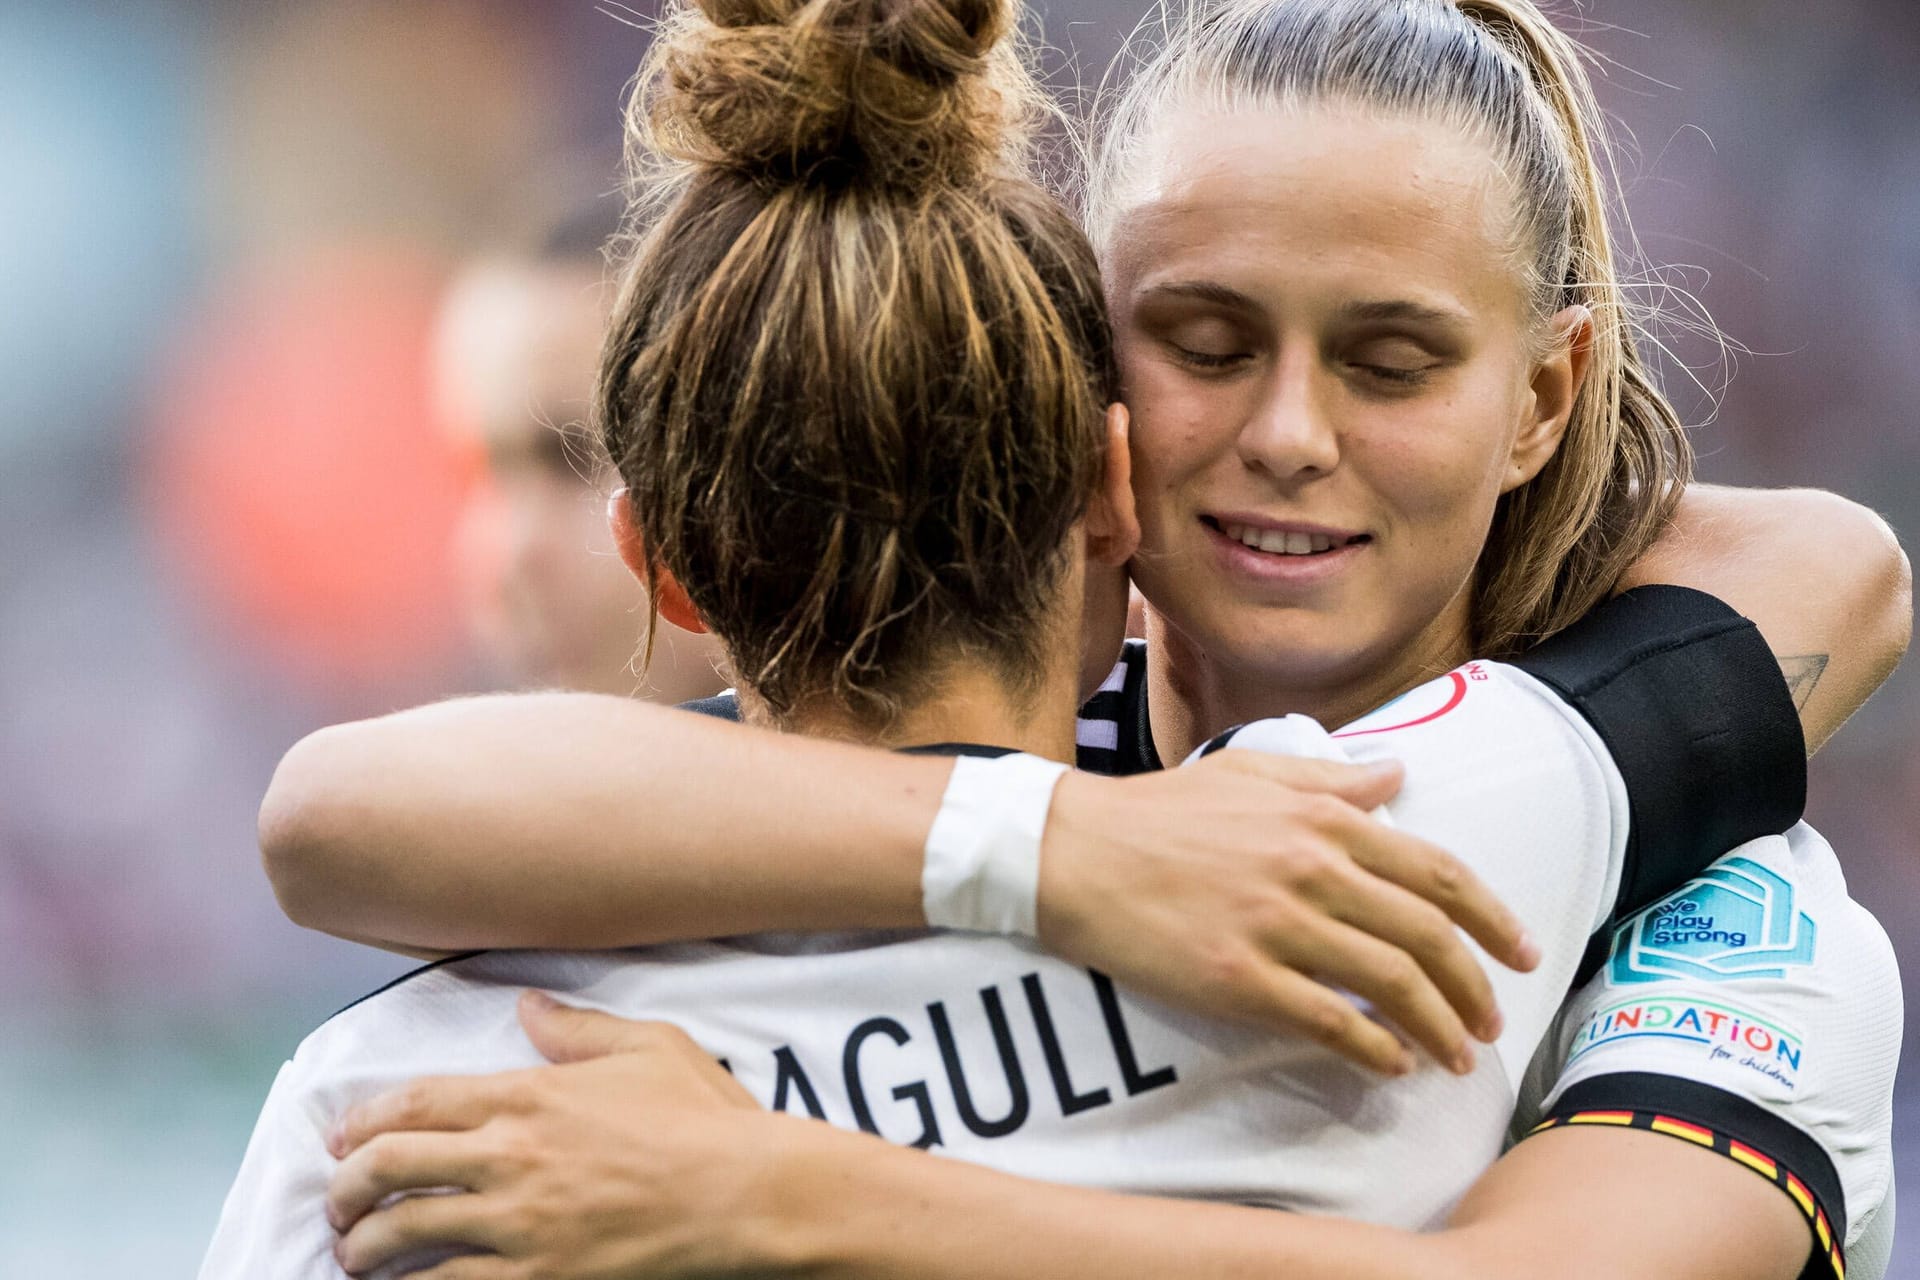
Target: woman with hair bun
x=1387 y=414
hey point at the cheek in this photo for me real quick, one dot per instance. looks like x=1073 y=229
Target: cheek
x=1178 y=429
x=1436 y=475
x=1441 y=463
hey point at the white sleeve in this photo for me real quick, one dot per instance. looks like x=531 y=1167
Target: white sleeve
x=1755 y=1011
x=1503 y=775
x=273 y=1224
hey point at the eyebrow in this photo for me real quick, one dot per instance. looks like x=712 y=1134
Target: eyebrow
x=1203 y=291
x=1401 y=309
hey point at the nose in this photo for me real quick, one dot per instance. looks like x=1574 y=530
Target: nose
x=1290 y=434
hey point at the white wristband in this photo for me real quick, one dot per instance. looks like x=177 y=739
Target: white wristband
x=982 y=870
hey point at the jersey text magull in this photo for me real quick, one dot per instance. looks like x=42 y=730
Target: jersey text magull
x=862 y=1059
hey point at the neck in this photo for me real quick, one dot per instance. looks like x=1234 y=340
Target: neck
x=970 y=702
x=1193 y=697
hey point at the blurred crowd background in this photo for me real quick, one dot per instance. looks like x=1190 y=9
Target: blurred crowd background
x=269 y=459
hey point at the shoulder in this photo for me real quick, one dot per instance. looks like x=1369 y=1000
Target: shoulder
x=457 y=1013
x=1490 y=755
x=1769 y=931
x=1756 y=1010
x=410 y=976
x=1696 y=716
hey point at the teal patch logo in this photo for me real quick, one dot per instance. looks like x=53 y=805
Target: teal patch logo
x=1736 y=921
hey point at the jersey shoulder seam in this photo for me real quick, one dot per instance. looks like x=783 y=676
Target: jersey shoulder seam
x=405 y=978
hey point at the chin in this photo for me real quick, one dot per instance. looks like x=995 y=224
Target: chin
x=1296 y=650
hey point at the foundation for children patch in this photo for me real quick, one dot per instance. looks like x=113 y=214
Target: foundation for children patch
x=1721 y=1034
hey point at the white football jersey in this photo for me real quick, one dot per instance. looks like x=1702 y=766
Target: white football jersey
x=987 y=1050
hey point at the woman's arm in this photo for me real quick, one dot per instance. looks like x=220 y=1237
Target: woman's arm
x=547 y=819
x=584 y=821
x=1823 y=578
x=1593 y=1206
x=425 y=829
x=516 y=821
x=650 y=1160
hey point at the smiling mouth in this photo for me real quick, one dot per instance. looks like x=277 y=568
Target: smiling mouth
x=1276 y=542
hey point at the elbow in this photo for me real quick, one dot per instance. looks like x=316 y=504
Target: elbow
x=1876 y=578
x=298 y=823
x=1897 y=594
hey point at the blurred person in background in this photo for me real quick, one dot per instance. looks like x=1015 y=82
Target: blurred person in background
x=514 y=353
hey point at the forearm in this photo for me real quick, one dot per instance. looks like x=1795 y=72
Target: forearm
x=1823 y=578
x=428 y=828
x=852 y=1208
x=1554 y=1205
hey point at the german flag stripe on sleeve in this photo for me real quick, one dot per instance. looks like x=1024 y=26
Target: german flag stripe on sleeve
x=1710 y=1118
x=1681 y=1129
x=1754 y=1160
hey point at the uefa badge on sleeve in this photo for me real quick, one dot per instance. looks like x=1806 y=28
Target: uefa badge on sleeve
x=1738 y=920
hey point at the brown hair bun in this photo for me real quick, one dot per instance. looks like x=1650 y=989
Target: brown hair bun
x=857 y=377
x=892 y=92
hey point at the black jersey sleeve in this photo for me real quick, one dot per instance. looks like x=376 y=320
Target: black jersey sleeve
x=1694 y=709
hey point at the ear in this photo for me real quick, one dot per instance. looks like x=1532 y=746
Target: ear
x=1555 y=385
x=1112 y=525
x=669 y=597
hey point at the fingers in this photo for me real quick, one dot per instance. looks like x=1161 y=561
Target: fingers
x=1422 y=932
x=1430 y=872
x=568 y=1035
x=563 y=1033
x=1331 y=1020
x=1414 y=864
x=431 y=1102
x=416 y=1223
x=394 y=1162
x=1390 y=980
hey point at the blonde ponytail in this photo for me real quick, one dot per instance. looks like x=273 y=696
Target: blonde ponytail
x=1560 y=543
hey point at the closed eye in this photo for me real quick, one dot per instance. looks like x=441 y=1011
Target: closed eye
x=1394 y=360
x=1395 y=375
x=1206 y=359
